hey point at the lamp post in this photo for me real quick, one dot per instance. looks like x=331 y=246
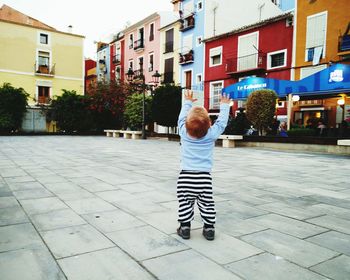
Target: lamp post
x=142 y=86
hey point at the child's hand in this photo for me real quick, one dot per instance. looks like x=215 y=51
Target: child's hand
x=225 y=99
x=189 y=96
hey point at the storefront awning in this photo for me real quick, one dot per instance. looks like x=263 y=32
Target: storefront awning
x=332 y=80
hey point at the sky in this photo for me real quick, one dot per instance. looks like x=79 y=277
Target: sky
x=95 y=20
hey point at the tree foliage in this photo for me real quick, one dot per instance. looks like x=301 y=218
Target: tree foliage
x=166 y=105
x=13 y=105
x=133 y=111
x=261 y=106
x=70 y=112
x=107 y=102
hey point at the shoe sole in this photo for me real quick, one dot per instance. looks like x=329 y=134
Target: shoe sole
x=183 y=236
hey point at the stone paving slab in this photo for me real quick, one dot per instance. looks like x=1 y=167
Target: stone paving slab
x=12 y=215
x=146 y=242
x=42 y=205
x=337 y=269
x=296 y=250
x=334 y=223
x=111 y=264
x=256 y=268
x=333 y=240
x=89 y=205
x=188 y=265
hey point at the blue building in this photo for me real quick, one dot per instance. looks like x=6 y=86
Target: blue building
x=103 y=66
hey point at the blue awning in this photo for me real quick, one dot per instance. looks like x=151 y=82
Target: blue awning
x=335 y=79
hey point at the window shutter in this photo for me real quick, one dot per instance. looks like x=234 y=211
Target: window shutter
x=215 y=52
x=316 y=31
x=187 y=44
x=188 y=8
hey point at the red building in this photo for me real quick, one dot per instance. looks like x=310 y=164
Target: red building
x=90 y=74
x=117 y=60
x=263 y=49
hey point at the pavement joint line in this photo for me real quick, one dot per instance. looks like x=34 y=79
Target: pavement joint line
x=332 y=258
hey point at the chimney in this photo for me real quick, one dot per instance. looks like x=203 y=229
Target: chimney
x=70 y=29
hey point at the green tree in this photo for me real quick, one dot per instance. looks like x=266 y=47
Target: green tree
x=71 y=113
x=166 y=105
x=133 y=111
x=261 y=106
x=13 y=105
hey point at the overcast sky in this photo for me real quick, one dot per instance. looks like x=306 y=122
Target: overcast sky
x=93 y=19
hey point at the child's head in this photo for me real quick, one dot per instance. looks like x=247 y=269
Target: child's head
x=197 y=122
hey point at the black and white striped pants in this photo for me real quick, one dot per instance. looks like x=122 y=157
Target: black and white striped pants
x=191 y=186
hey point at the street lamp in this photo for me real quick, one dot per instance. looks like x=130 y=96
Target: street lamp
x=142 y=86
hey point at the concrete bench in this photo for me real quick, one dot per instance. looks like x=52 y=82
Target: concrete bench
x=129 y=134
x=112 y=132
x=228 y=141
x=344 y=142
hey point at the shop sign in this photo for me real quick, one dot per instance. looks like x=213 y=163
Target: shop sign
x=336 y=76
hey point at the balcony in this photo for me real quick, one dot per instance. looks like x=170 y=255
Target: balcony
x=116 y=59
x=139 y=45
x=168 y=78
x=169 y=47
x=186 y=58
x=344 y=45
x=187 y=23
x=43 y=100
x=249 y=64
x=44 y=70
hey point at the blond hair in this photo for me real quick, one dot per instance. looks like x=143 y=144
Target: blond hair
x=197 y=122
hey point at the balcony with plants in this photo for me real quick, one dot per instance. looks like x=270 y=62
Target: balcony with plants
x=42 y=69
x=187 y=22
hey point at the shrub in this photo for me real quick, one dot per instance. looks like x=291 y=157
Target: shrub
x=261 y=107
x=133 y=111
x=13 y=105
x=302 y=132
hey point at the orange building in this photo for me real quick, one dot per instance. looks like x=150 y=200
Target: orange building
x=322 y=39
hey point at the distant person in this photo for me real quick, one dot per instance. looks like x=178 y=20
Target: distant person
x=282 y=130
x=321 y=127
x=198 y=138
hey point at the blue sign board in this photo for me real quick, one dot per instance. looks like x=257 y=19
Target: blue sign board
x=328 y=81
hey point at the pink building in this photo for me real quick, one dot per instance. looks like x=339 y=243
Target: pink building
x=142 y=47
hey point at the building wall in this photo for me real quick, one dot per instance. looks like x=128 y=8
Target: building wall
x=17 y=63
x=337 y=22
x=149 y=47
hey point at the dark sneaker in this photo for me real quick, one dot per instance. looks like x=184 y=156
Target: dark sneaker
x=209 y=233
x=184 y=232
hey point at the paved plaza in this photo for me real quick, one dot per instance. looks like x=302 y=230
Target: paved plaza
x=82 y=208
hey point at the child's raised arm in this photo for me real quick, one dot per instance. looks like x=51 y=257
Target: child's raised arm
x=221 y=122
x=187 y=105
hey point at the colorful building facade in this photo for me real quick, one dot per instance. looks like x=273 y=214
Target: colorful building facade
x=263 y=49
x=39 y=58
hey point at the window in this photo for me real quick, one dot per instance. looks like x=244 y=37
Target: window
x=140 y=63
x=215 y=56
x=151 y=32
x=131 y=65
x=150 y=65
x=117 y=73
x=169 y=40
x=247 y=51
x=43 y=58
x=316 y=27
x=280 y=104
x=199 y=81
x=215 y=93
x=43 y=95
x=199 y=41
x=44 y=38
x=131 y=41
x=168 y=70
x=276 y=59
x=199 y=6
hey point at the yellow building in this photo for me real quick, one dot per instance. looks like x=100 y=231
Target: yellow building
x=39 y=58
x=320 y=30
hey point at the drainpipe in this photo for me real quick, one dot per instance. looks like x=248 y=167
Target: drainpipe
x=289 y=110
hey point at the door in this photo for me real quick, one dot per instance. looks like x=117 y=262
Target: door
x=188 y=79
x=169 y=70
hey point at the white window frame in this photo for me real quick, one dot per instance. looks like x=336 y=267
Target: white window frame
x=325 y=35
x=210 y=56
x=269 y=60
x=211 y=94
x=37 y=57
x=48 y=38
x=149 y=62
x=199 y=9
x=197 y=41
x=131 y=42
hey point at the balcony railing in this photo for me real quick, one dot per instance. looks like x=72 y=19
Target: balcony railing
x=139 y=45
x=344 y=43
x=169 y=47
x=247 y=63
x=44 y=100
x=187 y=23
x=116 y=59
x=44 y=69
x=168 y=78
x=186 y=58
